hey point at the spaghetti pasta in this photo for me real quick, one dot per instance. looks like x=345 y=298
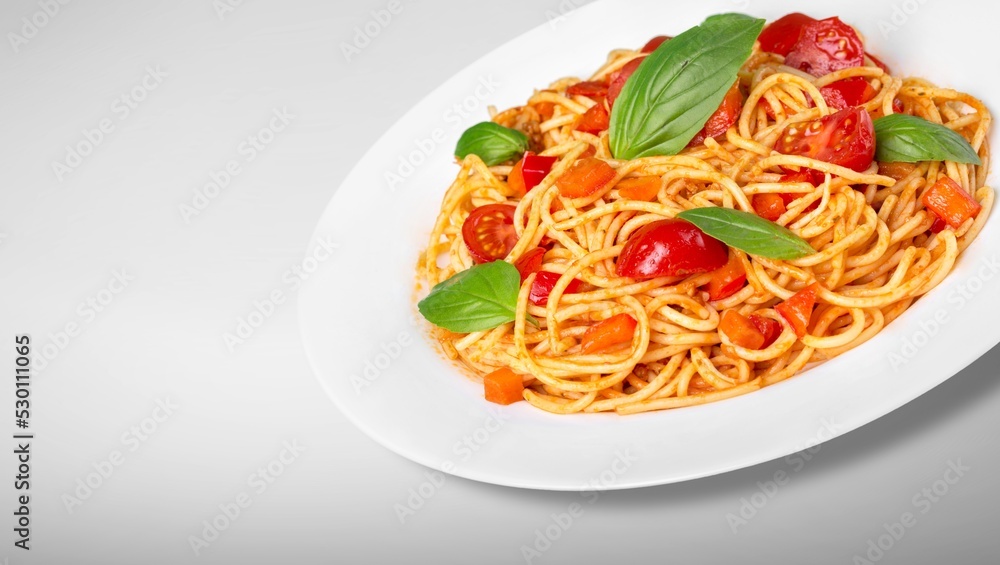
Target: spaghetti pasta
x=877 y=247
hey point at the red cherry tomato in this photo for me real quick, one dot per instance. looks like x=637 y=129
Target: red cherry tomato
x=826 y=46
x=545 y=281
x=770 y=328
x=846 y=138
x=728 y=280
x=589 y=89
x=847 y=93
x=723 y=118
x=595 y=120
x=670 y=248
x=529 y=172
x=655 y=43
x=530 y=262
x=619 y=77
x=769 y=205
x=489 y=232
x=798 y=308
x=782 y=34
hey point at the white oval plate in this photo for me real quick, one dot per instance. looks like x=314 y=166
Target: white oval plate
x=373 y=359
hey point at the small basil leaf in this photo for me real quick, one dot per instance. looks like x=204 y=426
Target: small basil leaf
x=679 y=86
x=480 y=298
x=908 y=139
x=748 y=232
x=493 y=143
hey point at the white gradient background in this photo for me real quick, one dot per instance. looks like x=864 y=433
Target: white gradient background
x=162 y=336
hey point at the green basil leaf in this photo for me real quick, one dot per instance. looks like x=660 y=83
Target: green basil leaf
x=679 y=86
x=479 y=298
x=908 y=139
x=748 y=232
x=493 y=143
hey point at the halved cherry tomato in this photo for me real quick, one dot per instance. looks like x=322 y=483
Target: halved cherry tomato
x=825 y=46
x=654 y=44
x=585 y=177
x=613 y=331
x=595 y=120
x=723 y=118
x=590 y=89
x=771 y=329
x=952 y=204
x=769 y=206
x=897 y=106
x=670 y=248
x=620 y=77
x=530 y=262
x=503 y=386
x=529 y=172
x=740 y=330
x=847 y=93
x=781 y=35
x=727 y=280
x=489 y=232
x=545 y=281
x=845 y=138
x=639 y=188
x=798 y=308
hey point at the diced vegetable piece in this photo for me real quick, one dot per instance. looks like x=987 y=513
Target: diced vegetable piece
x=728 y=280
x=798 y=308
x=613 y=331
x=503 y=386
x=639 y=188
x=952 y=204
x=585 y=177
x=770 y=328
x=740 y=330
x=769 y=206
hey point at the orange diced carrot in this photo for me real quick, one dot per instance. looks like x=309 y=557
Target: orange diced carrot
x=952 y=204
x=639 y=188
x=503 y=386
x=613 y=331
x=585 y=177
x=740 y=330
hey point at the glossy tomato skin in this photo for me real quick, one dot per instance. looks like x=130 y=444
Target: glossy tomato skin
x=825 y=46
x=589 y=89
x=544 y=282
x=670 y=248
x=654 y=44
x=845 y=138
x=847 y=93
x=535 y=169
x=489 y=232
x=619 y=77
x=782 y=34
x=530 y=262
x=723 y=118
